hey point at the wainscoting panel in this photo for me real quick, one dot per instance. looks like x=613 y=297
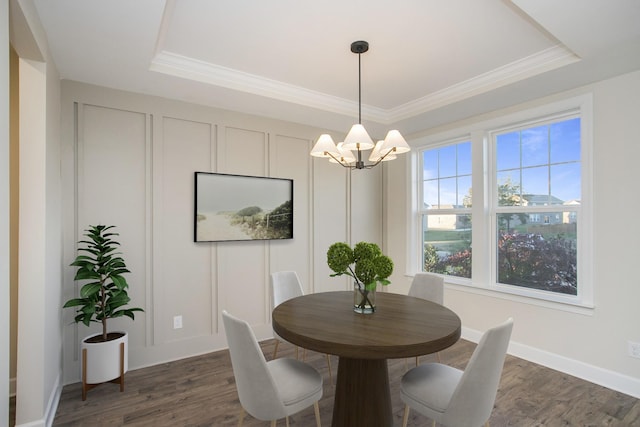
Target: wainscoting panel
x=290 y=159
x=330 y=190
x=242 y=265
x=366 y=205
x=111 y=184
x=186 y=147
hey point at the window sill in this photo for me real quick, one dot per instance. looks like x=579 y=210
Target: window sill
x=505 y=293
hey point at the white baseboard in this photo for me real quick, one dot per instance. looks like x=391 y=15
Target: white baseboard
x=54 y=399
x=604 y=377
x=37 y=423
x=52 y=407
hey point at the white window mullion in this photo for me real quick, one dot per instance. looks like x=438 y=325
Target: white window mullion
x=481 y=241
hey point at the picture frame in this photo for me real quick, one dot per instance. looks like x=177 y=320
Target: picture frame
x=242 y=207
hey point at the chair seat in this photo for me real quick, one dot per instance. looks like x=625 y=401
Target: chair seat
x=455 y=398
x=430 y=386
x=296 y=381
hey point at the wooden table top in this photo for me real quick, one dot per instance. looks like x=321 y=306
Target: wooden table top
x=402 y=326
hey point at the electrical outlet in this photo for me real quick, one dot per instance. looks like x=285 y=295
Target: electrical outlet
x=177 y=322
x=634 y=349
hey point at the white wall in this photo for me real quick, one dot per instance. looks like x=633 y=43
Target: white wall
x=39 y=351
x=4 y=212
x=129 y=160
x=32 y=229
x=592 y=345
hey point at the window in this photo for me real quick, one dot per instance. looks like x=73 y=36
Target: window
x=536 y=205
x=518 y=186
x=446 y=209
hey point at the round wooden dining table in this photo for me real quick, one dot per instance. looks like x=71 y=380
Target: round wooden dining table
x=402 y=326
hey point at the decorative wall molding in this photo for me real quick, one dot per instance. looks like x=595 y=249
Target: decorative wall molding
x=159 y=144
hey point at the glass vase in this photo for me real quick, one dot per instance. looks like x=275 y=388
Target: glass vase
x=364 y=301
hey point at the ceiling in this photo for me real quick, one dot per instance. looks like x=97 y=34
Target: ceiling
x=429 y=61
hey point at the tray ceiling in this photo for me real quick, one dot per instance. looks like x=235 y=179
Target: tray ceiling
x=290 y=60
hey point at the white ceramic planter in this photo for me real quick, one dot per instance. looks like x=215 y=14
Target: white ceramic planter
x=103 y=359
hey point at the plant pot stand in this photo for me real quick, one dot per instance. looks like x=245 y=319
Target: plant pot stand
x=86 y=386
x=104 y=362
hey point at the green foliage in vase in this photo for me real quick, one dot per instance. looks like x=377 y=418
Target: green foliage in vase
x=105 y=296
x=365 y=263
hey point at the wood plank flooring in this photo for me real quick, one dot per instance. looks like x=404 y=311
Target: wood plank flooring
x=200 y=391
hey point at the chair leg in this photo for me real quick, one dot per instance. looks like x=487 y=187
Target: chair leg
x=405 y=418
x=241 y=417
x=316 y=409
x=417 y=360
x=434 y=423
x=329 y=365
x=273 y=423
x=275 y=349
x=286 y=421
x=304 y=354
x=438 y=356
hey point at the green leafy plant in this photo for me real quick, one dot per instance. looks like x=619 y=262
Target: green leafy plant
x=365 y=263
x=105 y=296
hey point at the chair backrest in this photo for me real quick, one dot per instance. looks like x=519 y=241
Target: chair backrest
x=428 y=286
x=473 y=399
x=256 y=387
x=284 y=286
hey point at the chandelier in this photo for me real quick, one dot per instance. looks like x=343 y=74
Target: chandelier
x=358 y=139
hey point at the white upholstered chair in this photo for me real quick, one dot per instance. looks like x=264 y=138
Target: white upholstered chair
x=269 y=390
x=284 y=286
x=428 y=286
x=458 y=398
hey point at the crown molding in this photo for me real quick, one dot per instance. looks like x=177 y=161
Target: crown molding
x=532 y=65
x=204 y=72
x=189 y=68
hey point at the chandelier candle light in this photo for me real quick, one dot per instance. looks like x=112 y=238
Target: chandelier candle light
x=358 y=139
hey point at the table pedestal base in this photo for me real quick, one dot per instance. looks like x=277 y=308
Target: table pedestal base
x=362 y=394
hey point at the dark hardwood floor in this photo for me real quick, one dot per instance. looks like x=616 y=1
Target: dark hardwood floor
x=200 y=391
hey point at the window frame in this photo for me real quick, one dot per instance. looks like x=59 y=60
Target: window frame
x=484 y=229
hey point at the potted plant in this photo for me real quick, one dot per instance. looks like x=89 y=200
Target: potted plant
x=368 y=267
x=104 y=355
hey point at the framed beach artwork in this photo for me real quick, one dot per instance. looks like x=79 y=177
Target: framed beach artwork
x=239 y=207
